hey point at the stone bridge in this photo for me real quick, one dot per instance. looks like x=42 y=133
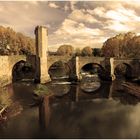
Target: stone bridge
x=42 y=61
x=7 y=64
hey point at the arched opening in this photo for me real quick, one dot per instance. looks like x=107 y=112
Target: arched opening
x=22 y=71
x=92 y=69
x=59 y=70
x=91 y=74
x=123 y=71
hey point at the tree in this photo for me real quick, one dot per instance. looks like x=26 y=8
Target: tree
x=78 y=52
x=14 y=43
x=97 y=52
x=117 y=46
x=132 y=49
x=87 y=51
x=65 y=50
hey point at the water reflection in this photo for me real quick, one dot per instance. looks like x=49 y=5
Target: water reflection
x=74 y=92
x=90 y=83
x=79 y=114
x=108 y=112
x=98 y=118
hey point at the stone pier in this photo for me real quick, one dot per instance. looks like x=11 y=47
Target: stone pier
x=41 y=74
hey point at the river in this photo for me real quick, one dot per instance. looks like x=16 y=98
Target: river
x=108 y=112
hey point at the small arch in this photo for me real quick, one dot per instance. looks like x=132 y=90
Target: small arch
x=59 y=69
x=22 y=70
x=123 y=70
x=93 y=68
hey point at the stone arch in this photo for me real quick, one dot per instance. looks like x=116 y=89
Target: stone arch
x=124 y=68
x=97 y=64
x=22 y=70
x=85 y=60
x=100 y=70
x=57 y=62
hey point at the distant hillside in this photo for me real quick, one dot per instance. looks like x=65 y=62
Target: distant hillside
x=14 y=43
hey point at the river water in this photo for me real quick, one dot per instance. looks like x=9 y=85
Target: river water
x=108 y=112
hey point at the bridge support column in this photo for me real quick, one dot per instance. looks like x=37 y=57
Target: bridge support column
x=41 y=75
x=75 y=69
x=112 y=72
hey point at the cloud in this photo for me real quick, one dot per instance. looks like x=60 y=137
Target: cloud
x=24 y=16
x=117 y=17
x=106 y=20
x=118 y=26
x=122 y=20
x=79 y=23
x=77 y=34
x=99 y=11
x=72 y=5
x=81 y=16
x=66 y=7
x=53 y=5
x=123 y=15
x=70 y=27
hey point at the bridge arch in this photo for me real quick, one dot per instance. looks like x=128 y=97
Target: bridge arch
x=93 y=68
x=59 y=69
x=22 y=70
x=123 y=70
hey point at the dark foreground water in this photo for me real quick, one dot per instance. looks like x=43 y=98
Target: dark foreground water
x=105 y=113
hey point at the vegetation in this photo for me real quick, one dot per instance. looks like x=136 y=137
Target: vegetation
x=69 y=50
x=65 y=50
x=97 y=52
x=12 y=43
x=122 y=45
x=87 y=51
x=78 y=52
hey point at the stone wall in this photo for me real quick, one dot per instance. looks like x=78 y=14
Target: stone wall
x=4 y=70
x=6 y=66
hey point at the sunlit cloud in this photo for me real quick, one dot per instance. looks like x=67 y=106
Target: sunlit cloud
x=81 y=16
x=99 y=11
x=53 y=5
x=80 y=23
x=118 y=26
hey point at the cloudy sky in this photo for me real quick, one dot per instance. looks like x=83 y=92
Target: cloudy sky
x=80 y=23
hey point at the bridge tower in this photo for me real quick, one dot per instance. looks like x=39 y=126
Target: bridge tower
x=41 y=74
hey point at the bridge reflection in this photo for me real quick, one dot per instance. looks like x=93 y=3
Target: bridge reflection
x=75 y=95
x=74 y=113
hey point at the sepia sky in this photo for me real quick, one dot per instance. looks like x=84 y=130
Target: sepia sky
x=80 y=23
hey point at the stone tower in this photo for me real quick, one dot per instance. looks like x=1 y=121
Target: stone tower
x=41 y=74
